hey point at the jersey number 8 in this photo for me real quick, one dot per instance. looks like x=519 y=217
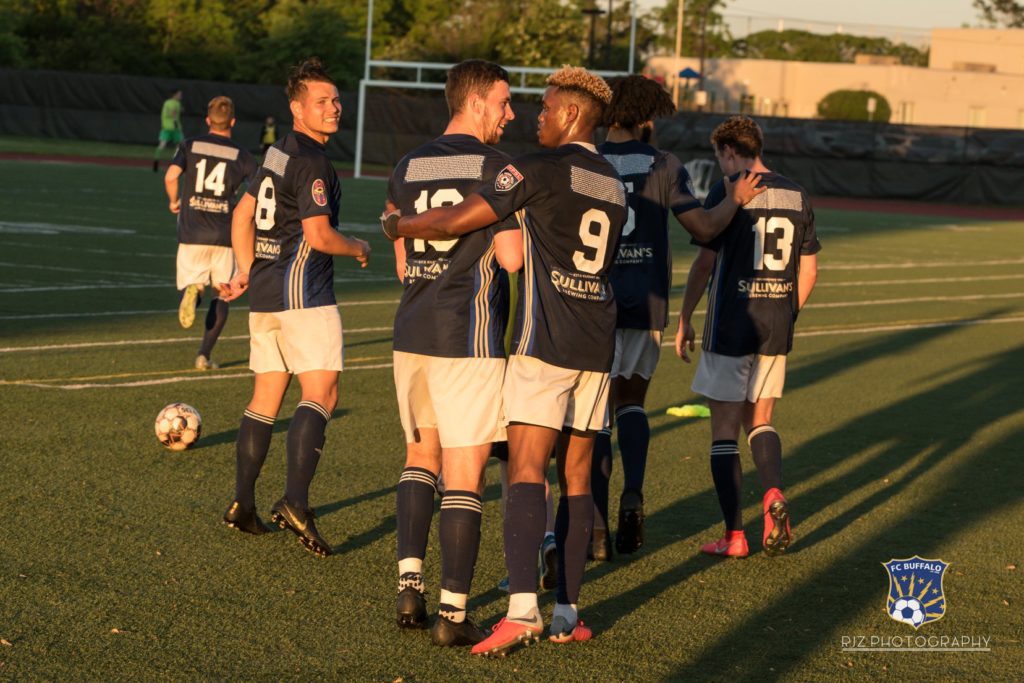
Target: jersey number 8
x=266 y=204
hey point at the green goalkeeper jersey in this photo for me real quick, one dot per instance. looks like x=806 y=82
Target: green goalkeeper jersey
x=170 y=115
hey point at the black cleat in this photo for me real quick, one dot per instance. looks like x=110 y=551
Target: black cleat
x=600 y=546
x=411 y=608
x=630 y=535
x=300 y=522
x=446 y=633
x=248 y=521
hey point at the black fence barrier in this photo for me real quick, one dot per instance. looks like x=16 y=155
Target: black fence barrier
x=850 y=159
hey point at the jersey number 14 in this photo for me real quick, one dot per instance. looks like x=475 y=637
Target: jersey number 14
x=214 y=181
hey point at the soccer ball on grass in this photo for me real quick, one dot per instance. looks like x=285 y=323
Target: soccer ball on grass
x=178 y=426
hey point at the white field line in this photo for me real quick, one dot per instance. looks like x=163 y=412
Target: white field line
x=67 y=269
x=827 y=266
x=147 y=342
x=920 y=281
x=169 y=311
x=169 y=285
x=917 y=300
x=380 y=366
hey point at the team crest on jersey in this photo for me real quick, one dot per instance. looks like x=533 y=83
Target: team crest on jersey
x=507 y=179
x=319 y=192
x=916 y=596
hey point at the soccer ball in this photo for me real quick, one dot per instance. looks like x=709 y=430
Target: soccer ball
x=178 y=426
x=908 y=611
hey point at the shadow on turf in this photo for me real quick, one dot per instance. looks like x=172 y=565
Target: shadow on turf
x=948 y=417
x=231 y=435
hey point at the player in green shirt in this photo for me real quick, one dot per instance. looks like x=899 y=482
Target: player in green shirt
x=170 y=126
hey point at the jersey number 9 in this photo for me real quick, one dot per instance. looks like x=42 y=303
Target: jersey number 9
x=597 y=241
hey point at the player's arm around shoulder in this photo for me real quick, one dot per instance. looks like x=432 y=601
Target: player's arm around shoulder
x=725 y=198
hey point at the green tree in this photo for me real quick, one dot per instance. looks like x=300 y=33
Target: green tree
x=804 y=46
x=1001 y=12
x=852 y=105
x=701 y=20
x=194 y=38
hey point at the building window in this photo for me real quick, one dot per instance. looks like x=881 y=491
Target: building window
x=976 y=117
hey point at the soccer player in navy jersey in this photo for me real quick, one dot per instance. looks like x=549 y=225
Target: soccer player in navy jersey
x=284 y=235
x=762 y=269
x=656 y=185
x=571 y=206
x=449 y=353
x=213 y=167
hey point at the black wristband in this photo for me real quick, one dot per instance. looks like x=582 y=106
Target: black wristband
x=389 y=224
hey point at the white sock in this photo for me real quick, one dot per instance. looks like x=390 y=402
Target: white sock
x=452 y=606
x=522 y=606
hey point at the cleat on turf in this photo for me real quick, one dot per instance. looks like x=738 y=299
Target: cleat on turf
x=777 y=535
x=728 y=547
x=507 y=634
x=563 y=632
x=548 y=564
x=600 y=546
x=300 y=522
x=411 y=609
x=204 y=363
x=630 y=535
x=187 y=307
x=447 y=633
x=248 y=521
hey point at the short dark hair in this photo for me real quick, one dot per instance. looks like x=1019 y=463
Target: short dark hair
x=311 y=69
x=742 y=134
x=636 y=100
x=220 y=111
x=471 y=77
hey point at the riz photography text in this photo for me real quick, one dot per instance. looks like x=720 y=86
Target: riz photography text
x=899 y=642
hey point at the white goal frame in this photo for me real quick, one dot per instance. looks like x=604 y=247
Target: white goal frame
x=420 y=67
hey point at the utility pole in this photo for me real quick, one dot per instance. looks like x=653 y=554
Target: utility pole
x=608 y=40
x=594 y=14
x=679 y=49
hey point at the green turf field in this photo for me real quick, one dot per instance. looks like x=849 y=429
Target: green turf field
x=901 y=424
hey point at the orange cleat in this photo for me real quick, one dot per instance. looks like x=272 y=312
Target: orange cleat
x=507 y=634
x=733 y=544
x=578 y=634
x=777 y=535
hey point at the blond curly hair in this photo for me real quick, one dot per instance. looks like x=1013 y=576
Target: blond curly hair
x=578 y=79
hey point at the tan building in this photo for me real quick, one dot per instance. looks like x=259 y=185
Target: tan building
x=975 y=78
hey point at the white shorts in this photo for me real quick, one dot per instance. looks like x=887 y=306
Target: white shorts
x=203 y=264
x=739 y=378
x=636 y=353
x=460 y=397
x=536 y=393
x=296 y=341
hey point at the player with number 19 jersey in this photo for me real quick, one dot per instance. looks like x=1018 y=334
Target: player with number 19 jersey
x=571 y=206
x=455 y=302
x=297 y=181
x=753 y=302
x=213 y=168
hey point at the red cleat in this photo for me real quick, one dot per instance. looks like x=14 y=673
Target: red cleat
x=777 y=535
x=733 y=544
x=578 y=635
x=506 y=635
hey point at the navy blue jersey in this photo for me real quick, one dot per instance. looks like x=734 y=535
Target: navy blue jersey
x=753 y=298
x=455 y=303
x=571 y=206
x=656 y=184
x=213 y=168
x=296 y=181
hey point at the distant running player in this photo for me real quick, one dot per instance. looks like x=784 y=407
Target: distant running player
x=170 y=126
x=656 y=185
x=213 y=167
x=761 y=269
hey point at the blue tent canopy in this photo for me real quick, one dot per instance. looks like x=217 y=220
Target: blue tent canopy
x=688 y=73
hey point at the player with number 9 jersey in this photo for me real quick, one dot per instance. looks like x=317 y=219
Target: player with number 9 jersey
x=572 y=207
x=296 y=181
